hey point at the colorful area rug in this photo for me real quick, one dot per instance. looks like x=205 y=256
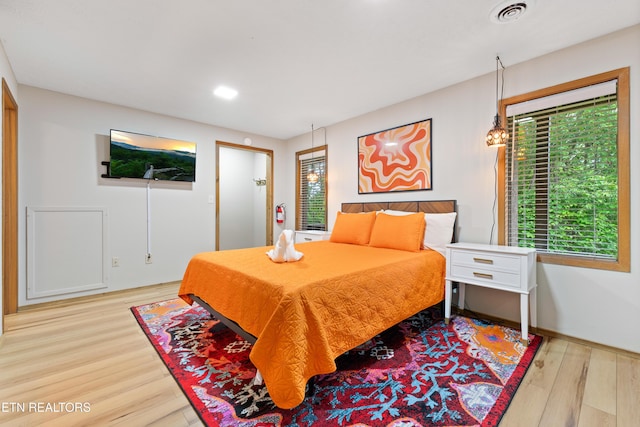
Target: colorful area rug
x=420 y=372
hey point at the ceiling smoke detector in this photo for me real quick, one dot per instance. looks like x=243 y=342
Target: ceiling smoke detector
x=510 y=11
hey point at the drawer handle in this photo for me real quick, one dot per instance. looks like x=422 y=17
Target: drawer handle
x=483 y=275
x=308 y=239
x=483 y=260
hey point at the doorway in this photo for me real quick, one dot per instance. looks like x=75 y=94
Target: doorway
x=244 y=196
x=9 y=202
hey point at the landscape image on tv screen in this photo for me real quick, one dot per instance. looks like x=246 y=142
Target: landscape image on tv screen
x=135 y=155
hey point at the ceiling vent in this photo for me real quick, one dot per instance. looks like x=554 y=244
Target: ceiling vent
x=510 y=11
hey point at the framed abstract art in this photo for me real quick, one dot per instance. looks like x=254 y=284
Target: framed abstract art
x=396 y=159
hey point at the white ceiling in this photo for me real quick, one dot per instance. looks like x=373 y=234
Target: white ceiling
x=293 y=62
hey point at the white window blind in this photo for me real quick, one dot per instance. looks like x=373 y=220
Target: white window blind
x=562 y=173
x=312 y=197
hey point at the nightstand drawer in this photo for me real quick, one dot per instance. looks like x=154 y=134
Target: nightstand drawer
x=486 y=260
x=311 y=236
x=499 y=278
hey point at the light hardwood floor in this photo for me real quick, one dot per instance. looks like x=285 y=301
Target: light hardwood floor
x=92 y=350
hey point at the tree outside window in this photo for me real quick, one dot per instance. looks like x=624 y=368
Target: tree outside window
x=564 y=174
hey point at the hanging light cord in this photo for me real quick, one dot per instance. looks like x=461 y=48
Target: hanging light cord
x=499 y=61
x=495 y=197
x=495 y=166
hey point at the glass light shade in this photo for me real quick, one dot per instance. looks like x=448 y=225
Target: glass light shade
x=497 y=136
x=312 y=177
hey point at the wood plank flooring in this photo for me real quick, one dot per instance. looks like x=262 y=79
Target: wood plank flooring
x=91 y=353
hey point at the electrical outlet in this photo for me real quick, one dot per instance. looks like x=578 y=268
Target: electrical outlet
x=115 y=262
x=148 y=259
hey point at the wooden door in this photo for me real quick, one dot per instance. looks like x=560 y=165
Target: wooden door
x=9 y=201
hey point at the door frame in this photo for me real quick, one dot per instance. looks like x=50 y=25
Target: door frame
x=9 y=202
x=269 y=209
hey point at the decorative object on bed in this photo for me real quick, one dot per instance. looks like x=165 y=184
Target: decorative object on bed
x=396 y=159
x=284 y=251
x=421 y=370
x=297 y=313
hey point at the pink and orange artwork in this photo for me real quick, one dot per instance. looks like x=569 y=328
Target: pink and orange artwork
x=397 y=159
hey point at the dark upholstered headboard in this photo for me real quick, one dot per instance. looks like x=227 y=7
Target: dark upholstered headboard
x=427 y=206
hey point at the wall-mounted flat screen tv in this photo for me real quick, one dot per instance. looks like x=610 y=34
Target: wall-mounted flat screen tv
x=135 y=155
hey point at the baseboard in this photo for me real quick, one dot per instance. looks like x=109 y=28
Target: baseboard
x=76 y=300
x=548 y=333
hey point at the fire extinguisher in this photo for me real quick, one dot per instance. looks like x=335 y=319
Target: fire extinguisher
x=280 y=213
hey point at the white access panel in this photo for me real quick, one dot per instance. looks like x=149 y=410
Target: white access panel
x=66 y=250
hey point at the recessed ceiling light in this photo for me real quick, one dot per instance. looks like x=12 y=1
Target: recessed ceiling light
x=510 y=10
x=225 y=92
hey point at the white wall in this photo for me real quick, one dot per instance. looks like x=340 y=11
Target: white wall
x=594 y=305
x=62 y=141
x=6 y=73
x=259 y=199
x=242 y=204
x=236 y=193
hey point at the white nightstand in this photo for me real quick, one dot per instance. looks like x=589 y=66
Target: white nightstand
x=311 y=235
x=507 y=268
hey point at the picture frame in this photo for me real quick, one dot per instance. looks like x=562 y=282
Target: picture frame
x=396 y=159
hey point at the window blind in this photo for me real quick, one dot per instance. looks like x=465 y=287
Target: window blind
x=312 y=199
x=562 y=173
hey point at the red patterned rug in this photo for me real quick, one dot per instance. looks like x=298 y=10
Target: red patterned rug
x=420 y=372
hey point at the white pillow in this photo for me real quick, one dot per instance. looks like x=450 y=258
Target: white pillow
x=439 y=230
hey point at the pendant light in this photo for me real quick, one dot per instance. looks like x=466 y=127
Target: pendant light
x=497 y=136
x=312 y=176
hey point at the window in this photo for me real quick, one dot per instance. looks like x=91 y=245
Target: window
x=311 y=197
x=564 y=173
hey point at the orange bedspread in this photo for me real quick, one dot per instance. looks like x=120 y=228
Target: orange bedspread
x=306 y=313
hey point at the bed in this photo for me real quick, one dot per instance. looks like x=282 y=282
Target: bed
x=302 y=315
